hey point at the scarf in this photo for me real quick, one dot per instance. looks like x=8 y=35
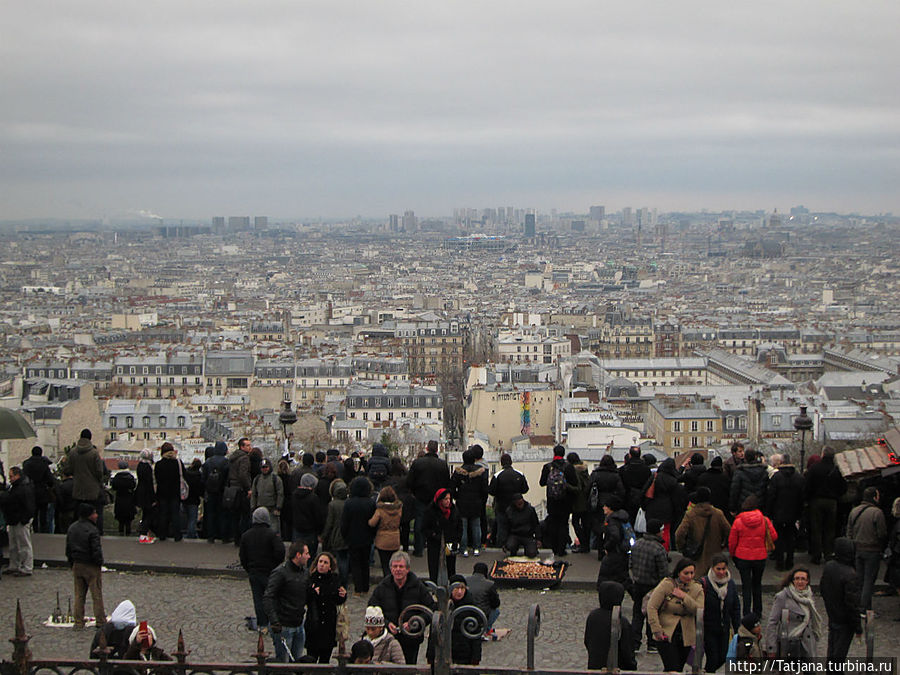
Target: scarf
x=720 y=587
x=437 y=500
x=376 y=641
x=811 y=618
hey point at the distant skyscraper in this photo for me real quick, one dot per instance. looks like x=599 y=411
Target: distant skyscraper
x=238 y=223
x=598 y=213
x=529 y=226
x=409 y=221
x=261 y=223
x=394 y=222
x=627 y=216
x=218 y=224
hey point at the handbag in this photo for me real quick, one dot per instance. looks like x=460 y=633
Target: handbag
x=185 y=488
x=770 y=543
x=229 y=497
x=640 y=521
x=651 y=491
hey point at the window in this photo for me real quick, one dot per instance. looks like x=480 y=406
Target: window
x=145 y=421
x=162 y=420
x=776 y=420
x=729 y=422
x=113 y=422
x=676 y=442
x=695 y=426
x=366 y=416
x=742 y=422
x=695 y=442
x=129 y=421
x=710 y=425
x=181 y=421
x=676 y=426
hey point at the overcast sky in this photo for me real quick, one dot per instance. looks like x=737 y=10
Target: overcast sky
x=301 y=108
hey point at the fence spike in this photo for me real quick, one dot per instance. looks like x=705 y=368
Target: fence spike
x=21 y=652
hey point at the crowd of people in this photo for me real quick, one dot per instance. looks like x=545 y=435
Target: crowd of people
x=336 y=514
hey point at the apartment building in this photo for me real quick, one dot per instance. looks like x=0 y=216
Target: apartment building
x=683 y=424
x=385 y=403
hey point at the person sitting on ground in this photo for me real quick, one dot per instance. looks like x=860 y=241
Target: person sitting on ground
x=523 y=525
x=464 y=650
x=484 y=596
x=385 y=646
x=597 y=630
x=745 y=645
x=142 y=645
x=361 y=652
x=117 y=631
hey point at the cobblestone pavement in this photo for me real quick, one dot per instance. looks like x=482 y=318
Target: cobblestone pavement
x=211 y=611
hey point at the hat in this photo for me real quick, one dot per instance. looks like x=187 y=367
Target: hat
x=439 y=495
x=133 y=638
x=308 y=481
x=265 y=464
x=374 y=616
x=613 y=502
x=261 y=516
x=703 y=494
x=750 y=621
x=716 y=462
x=654 y=525
x=457 y=579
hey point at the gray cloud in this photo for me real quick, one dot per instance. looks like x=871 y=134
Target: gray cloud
x=340 y=108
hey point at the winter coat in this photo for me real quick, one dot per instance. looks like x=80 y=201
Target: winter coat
x=217 y=463
x=867 y=528
x=720 y=618
x=388 y=650
x=749 y=479
x=470 y=489
x=784 y=495
x=484 y=593
x=580 y=496
x=308 y=514
x=194 y=479
x=239 y=470
x=404 y=495
x=606 y=482
x=824 y=480
x=285 y=596
x=665 y=611
x=690 y=477
x=267 y=490
x=332 y=539
x=87 y=471
x=614 y=564
x=322 y=601
x=719 y=486
x=426 y=476
x=504 y=485
x=669 y=499
x=523 y=523
x=634 y=474
x=168 y=477
x=463 y=650
x=563 y=505
x=393 y=600
x=597 y=630
x=124 y=485
x=692 y=527
x=808 y=641
x=261 y=549
x=323 y=490
x=145 y=494
x=18 y=502
x=747 y=539
x=648 y=561
x=37 y=468
x=386 y=522
x=358 y=509
x=83 y=543
x=840 y=585
x=380 y=463
x=434 y=524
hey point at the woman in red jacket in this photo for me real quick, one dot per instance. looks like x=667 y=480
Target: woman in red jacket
x=747 y=545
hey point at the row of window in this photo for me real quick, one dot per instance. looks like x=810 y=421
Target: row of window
x=677 y=425
x=158 y=370
x=145 y=421
x=390 y=416
x=393 y=402
x=694 y=441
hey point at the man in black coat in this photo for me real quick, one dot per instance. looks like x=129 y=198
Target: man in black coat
x=784 y=505
x=692 y=473
x=85 y=554
x=37 y=468
x=214 y=474
x=484 y=595
x=261 y=552
x=504 y=485
x=427 y=474
x=750 y=478
x=558 y=476
x=470 y=491
x=394 y=594
x=840 y=593
x=634 y=474
x=18 y=507
x=605 y=482
x=597 y=630
x=719 y=485
x=824 y=486
x=285 y=603
x=523 y=527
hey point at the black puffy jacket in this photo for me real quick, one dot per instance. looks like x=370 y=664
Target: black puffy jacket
x=749 y=479
x=506 y=484
x=285 y=596
x=470 y=488
x=307 y=511
x=83 y=543
x=784 y=495
x=393 y=600
x=606 y=482
x=261 y=549
x=669 y=499
x=358 y=508
x=18 y=502
x=719 y=486
x=840 y=585
x=426 y=476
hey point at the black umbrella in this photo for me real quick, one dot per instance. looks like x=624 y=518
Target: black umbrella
x=13 y=425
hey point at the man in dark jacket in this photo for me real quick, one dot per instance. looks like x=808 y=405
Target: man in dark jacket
x=427 y=474
x=840 y=593
x=357 y=534
x=18 y=508
x=88 y=473
x=523 y=527
x=85 y=554
x=168 y=472
x=613 y=549
x=470 y=491
x=215 y=477
x=648 y=563
x=261 y=552
x=605 y=482
x=484 y=596
x=737 y=458
x=824 y=486
x=598 y=628
x=692 y=473
x=719 y=485
x=867 y=527
x=379 y=466
x=285 y=603
x=394 y=594
x=669 y=500
x=750 y=478
x=239 y=482
x=558 y=476
x=784 y=504
x=308 y=513
x=504 y=485
x=37 y=468
x=634 y=474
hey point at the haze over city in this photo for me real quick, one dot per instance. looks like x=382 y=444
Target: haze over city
x=323 y=109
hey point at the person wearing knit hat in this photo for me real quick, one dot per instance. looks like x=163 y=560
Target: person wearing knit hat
x=267 y=490
x=308 y=513
x=441 y=528
x=745 y=645
x=649 y=564
x=261 y=551
x=386 y=648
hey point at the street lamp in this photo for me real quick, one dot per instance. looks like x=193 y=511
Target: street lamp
x=803 y=423
x=286 y=418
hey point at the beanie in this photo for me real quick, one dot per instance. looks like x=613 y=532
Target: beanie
x=750 y=621
x=86 y=433
x=703 y=494
x=457 y=579
x=374 y=616
x=308 y=481
x=122 y=464
x=654 y=525
x=716 y=462
x=261 y=516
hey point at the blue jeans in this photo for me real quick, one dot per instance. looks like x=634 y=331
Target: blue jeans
x=190 y=515
x=492 y=618
x=867 y=564
x=472 y=525
x=294 y=637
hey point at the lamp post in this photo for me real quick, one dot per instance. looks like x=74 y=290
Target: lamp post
x=286 y=418
x=803 y=423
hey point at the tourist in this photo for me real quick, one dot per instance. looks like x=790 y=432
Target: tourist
x=805 y=628
x=558 y=476
x=649 y=564
x=386 y=521
x=748 y=546
x=484 y=596
x=784 y=504
x=503 y=487
x=469 y=485
x=324 y=596
x=285 y=603
x=117 y=632
x=721 y=611
x=523 y=524
x=386 y=648
x=332 y=539
x=441 y=528
x=215 y=478
x=17 y=502
x=867 y=528
x=124 y=485
x=236 y=495
x=703 y=531
x=168 y=473
x=267 y=491
x=357 y=533
x=840 y=594
x=427 y=474
x=598 y=629
x=85 y=555
x=261 y=551
x=672 y=613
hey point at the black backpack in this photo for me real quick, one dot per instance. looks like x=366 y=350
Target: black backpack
x=214 y=481
x=378 y=472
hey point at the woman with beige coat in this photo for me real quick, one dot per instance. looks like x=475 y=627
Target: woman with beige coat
x=672 y=611
x=386 y=521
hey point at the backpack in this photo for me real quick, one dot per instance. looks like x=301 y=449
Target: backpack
x=628 y=537
x=556 y=483
x=594 y=496
x=378 y=472
x=214 y=481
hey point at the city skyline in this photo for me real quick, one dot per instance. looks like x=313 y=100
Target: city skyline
x=186 y=111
